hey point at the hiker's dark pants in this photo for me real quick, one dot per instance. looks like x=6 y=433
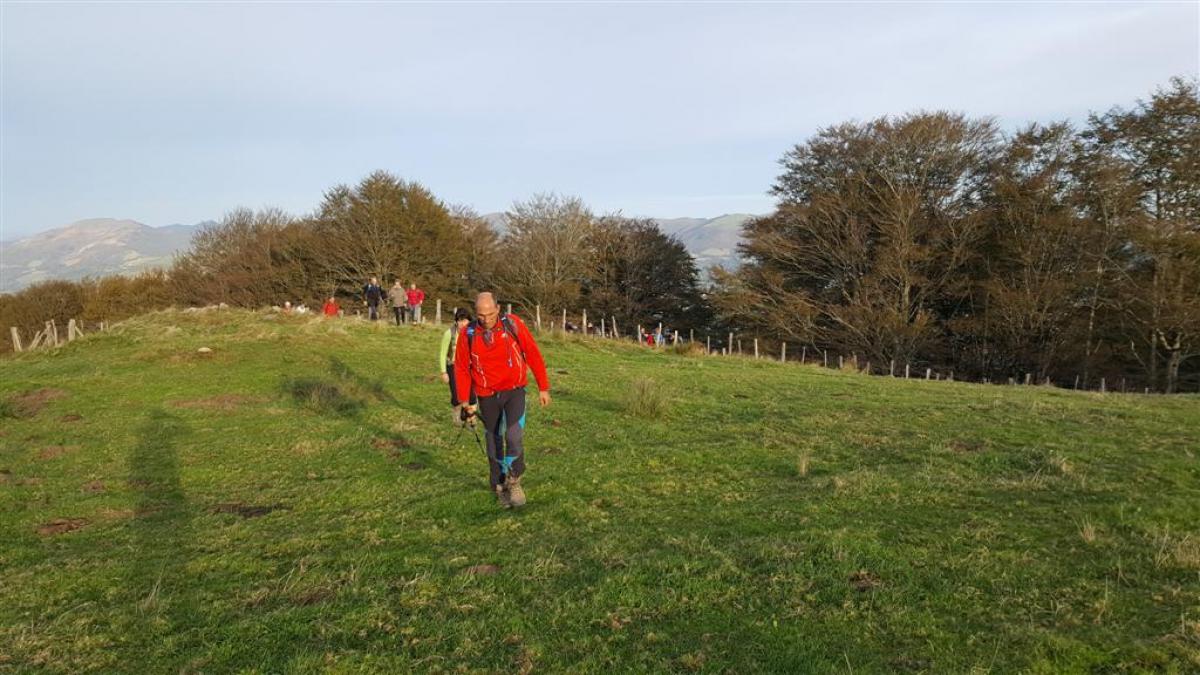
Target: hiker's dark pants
x=373 y=310
x=454 y=392
x=399 y=312
x=503 y=416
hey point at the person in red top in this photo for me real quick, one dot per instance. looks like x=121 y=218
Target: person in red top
x=415 y=297
x=330 y=308
x=492 y=355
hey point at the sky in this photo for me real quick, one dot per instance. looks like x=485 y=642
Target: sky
x=179 y=112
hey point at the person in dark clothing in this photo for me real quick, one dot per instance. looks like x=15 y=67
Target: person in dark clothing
x=446 y=358
x=373 y=294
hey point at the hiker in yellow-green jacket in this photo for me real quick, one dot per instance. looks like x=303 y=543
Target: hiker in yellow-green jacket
x=446 y=359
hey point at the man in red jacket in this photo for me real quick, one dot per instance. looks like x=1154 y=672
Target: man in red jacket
x=492 y=354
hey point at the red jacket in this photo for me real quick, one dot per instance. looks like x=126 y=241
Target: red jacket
x=415 y=296
x=330 y=309
x=493 y=362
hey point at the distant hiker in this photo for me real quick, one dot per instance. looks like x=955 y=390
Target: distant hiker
x=287 y=306
x=493 y=354
x=446 y=358
x=399 y=301
x=649 y=339
x=330 y=308
x=415 y=297
x=373 y=294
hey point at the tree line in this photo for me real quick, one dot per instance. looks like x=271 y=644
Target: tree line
x=936 y=240
x=931 y=239
x=552 y=252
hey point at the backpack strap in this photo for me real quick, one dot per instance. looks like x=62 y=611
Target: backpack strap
x=505 y=321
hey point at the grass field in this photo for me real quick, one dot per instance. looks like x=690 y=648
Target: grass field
x=298 y=501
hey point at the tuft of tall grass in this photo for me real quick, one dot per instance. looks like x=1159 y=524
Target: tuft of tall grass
x=321 y=396
x=645 y=399
x=688 y=349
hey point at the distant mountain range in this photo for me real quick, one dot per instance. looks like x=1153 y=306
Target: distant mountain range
x=92 y=247
x=100 y=246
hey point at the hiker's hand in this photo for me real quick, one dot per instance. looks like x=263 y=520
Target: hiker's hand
x=469 y=410
x=445 y=378
x=544 y=398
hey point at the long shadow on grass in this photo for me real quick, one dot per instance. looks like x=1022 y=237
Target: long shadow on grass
x=346 y=393
x=161 y=531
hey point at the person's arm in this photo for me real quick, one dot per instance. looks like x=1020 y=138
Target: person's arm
x=445 y=348
x=462 y=367
x=533 y=355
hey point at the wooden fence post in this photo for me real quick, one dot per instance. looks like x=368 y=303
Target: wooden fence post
x=756 y=348
x=841 y=361
x=892 y=369
x=867 y=370
x=437 y=315
x=16 y=339
x=564 y=321
x=825 y=357
x=509 y=310
x=51 y=334
x=803 y=354
x=708 y=343
x=70 y=330
x=675 y=338
x=906 y=371
x=585 y=322
x=730 y=344
x=1028 y=378
x=538 y=312
x=928 y=371
x=1102 y=388
x=783 y=352
x=691 y=335
x=1077 y=381
x=616 y=333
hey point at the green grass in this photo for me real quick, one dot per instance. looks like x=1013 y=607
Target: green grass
x=297 y=501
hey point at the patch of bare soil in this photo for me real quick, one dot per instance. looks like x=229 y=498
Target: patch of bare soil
x=32 y=480
x=484 y=570
x=247 y=510
x=222 y=402
x=552 y=450
x=5 y=476
x=70 y=417
x=93 y=486
x=56 y=451
x=394 y=443
x=31 y=403
x=431 y=378
x=555 y=423
x=966 y=446
x=414 y=466
x=312 y=596
x=60 y=526
x=863 y=581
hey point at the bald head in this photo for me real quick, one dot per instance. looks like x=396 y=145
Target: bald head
x=486 y=309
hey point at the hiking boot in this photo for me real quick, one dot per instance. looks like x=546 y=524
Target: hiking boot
x=516 y=494
x=457 y=416
x=502 y=496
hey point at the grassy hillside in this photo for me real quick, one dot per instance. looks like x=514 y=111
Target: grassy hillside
x=298 y=501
